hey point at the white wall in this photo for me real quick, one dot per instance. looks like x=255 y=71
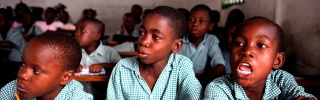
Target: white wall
x=300 y=19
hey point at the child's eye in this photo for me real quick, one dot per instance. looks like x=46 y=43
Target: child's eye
x=36 y=71
x=238 y=44
x=23 y=65
x=141 y=32
x=156 y=37
x=191 y=20
x=83 y=31
x=262 y=46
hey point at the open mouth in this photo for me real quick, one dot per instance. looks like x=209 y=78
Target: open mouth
x=245 y=68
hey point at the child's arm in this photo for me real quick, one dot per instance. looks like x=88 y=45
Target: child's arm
x=304 y=98
x=189 y=87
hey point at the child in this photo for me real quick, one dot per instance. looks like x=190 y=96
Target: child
x=49 y=24
x=158 y=72
x=202 y=48
x=95 y=55
x=49 y=64
x=28 y=28
x=127 y=27
x=256 y=57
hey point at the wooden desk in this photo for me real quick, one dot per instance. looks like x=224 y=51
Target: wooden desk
x=128 y=54
x=308 y=80
x=96 y=78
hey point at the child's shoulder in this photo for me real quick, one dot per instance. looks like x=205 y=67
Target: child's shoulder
x=7 y=91
x=211 y=39
x=179 y=59
x=73 y=90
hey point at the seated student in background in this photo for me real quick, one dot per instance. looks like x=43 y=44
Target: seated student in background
x=64 y=18
x=202 y=48
x=10 y=38
x=136 y=10
x=256 y=57
x=49 y=24
x=49 y=64
x=95 y=55
x=158 y=72
x=28 y=28
x=127 y=32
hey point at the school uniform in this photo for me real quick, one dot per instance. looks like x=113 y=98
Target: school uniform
x=208 y=53
x=176 y=81
x=103 y=54
x=280 y=85
x=71 y=91
x=33 y=31
x=135 y=33
x=19 y=43
x=51 y=27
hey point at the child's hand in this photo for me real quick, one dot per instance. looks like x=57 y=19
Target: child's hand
x=95 y=68
x=123 y=28
x=79 y=69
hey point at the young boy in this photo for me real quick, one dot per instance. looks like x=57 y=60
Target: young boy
x=49 y=24
x=202 y=48
x=95 y=55
x=49 y=64
x=256 y=57
x=158 y=72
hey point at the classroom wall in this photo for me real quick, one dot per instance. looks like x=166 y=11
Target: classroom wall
x=298 y=18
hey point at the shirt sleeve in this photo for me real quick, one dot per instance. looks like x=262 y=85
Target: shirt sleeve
x=289 y=86
x=217 y=90
x=114 y=90
x=17 y=39
x=7 y=92
x=189 y=87
x=215 y=53
x=37 y=30
x=115 y=57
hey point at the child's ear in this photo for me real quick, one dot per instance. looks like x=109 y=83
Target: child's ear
x=211 y=26
x=279 y=61
x=67 y=77
x=177 y=45
x=97 y=36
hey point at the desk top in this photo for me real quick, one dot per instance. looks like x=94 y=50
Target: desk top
x=95 y=78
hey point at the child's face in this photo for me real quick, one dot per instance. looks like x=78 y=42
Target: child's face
x=255 y=53
x=41 y=74
x=199 y=23
x=130 y=23
x=85 y=34
x=156 y=40
x=2 y=21
x=49 y=14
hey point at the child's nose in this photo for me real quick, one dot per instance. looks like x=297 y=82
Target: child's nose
x=23 y=73
x=247 y=52
x=145 y=41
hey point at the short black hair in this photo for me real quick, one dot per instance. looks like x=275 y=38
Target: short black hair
x=177 y=21
x=67 y=49
x=86 y=11
x=279 y=31
x=235 y=16
x=6 y=14
x=204 y=7
x=98 y=24
x=215 y=16
x=129 y=14
x=137 y=6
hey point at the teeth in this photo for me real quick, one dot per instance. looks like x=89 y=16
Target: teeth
x=244 y=72
x=245 y=64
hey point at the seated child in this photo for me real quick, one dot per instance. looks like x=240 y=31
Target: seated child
x=158 y=72
x=28 y=28
x=49 y=24
x=95 y=55
x=127 y=32
x=203 y=48
x=49 y=64
x=256 y=57
x=10 y=38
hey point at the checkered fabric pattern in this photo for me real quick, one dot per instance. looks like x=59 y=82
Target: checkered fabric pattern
x=72 y=91
x=176 y=81
x=280 y=85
